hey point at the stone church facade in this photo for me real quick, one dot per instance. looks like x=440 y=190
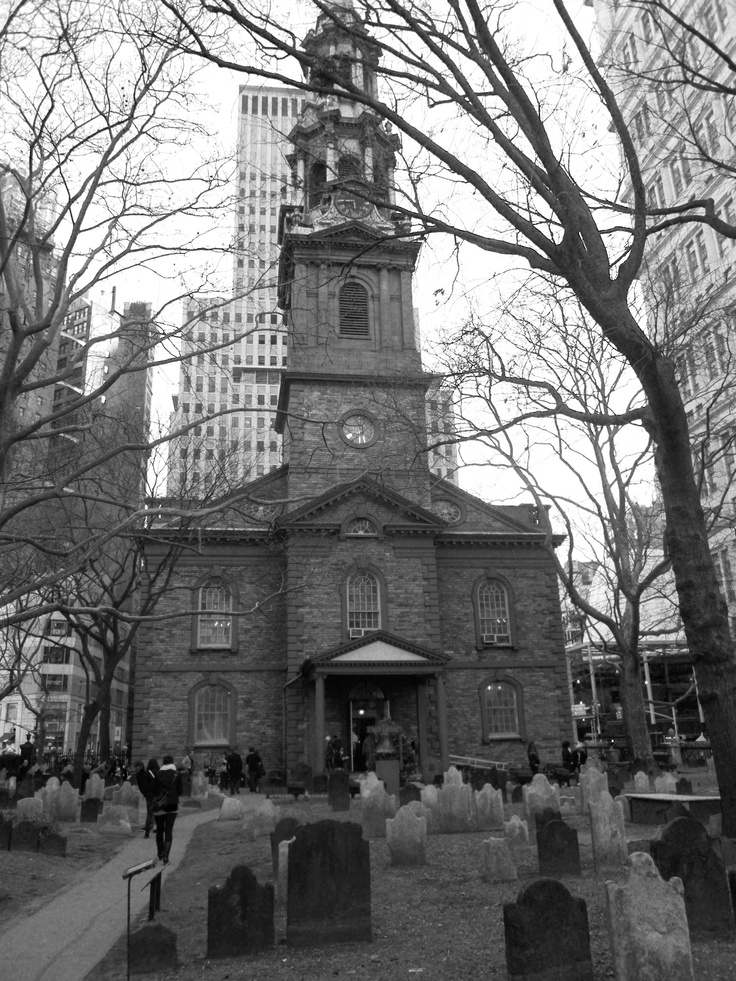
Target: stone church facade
x=352 y=585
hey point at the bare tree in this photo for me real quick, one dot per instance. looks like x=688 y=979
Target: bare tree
x=495 y=125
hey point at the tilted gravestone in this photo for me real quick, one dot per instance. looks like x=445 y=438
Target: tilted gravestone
x=90 y=810
x=406 y=837
x=498 y=863
x=240 y=915
x=284 y=831
x=25 y=837
x=685 y=849
x=329 y=885
x=547 y=935
x=650 y=939
x=338 y=790
x=557 y=849
x=152 y=948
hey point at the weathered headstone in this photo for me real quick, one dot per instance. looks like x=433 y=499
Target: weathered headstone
x=593 y=783
x=431 y=800
x=543 y=817
x=240 y=915
x=517 y=793
x=408 y=793
x=406 y=837
x=95 y=787
x=625 y=803
x=230 y=810
x=650 y=939
x=284 y=831
x=684 y=848
x=114 y=821
x=568 y=807
x=557 y=849
x=25 y=837
x=684 y=786
x=264 y=819
x=52 y=843
x=90 y=810
x=152 y=948
x=547 y=935
x=642 y=784
x=488 y=808
x=30 y=809
x=338 y=790
x=608 y=832
x=666 y=784
x=377 y=807
x=517 y=831
x=329 y=890
x=540 y=796
x=6 y=833
x=67 y=803
x=370 y=784
x=452 y=778
x=498 y=864
x=457 y=812
x=282 y=870
x=130 y=796
x=53 y=784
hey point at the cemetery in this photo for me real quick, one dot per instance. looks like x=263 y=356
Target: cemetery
x=532 y=881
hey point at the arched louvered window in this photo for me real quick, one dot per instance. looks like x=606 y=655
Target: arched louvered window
x=493 y=613
x=364 y=603
x=317 y=181
x=349 y=166
x=354 y=310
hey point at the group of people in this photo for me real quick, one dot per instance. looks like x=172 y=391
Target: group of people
x=572 y=757
x=253 y=769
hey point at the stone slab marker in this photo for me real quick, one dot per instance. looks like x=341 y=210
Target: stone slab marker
x=377 y=807
x=684 y=848
x=488 y=808
x=230 y=810
x=457 y=807
x=498 y=864
x=408 y=793
x=641 y=782
x=592 y=784
x=650 y=939
x=406 y=837
x=557 y=849
x=90 y=810
x=540 y=796
x=284 y=831
x=282 y=871
x=329 y=885
x=30 y=809
x=547 y=935
x=338 y=790
x=240 y=915
x=608 y=832
x=517 y=831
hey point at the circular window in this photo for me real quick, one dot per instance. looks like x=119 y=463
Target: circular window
x=447 y=510
x=358 y=429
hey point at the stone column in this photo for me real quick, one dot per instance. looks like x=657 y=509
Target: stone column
x=422 y=735
x=319 y=725
x=368 y=162
x=442 y=723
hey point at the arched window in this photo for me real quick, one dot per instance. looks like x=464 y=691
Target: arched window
x=502 y=710
x=353 y=310
x=494 y=623
x=363 y=603
x=214 y=620
x=361 y=527
x=317 y=181
x=212 y=715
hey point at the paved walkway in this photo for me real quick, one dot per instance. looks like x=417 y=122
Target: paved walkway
x=65 y=939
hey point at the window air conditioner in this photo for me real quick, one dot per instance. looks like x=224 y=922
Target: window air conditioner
x=356 y=632
x=491 y=640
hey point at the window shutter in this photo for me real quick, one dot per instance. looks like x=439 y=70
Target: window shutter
x=354 y=310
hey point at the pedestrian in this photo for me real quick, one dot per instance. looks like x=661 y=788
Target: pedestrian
x=337 y=762
x=234 y=767
x=533 y=756
x=368 y=748
x=147 y=785
x=568 y=757
x=254 y=766
x=166 y=805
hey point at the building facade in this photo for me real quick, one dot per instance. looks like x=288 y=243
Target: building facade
x=353 y=587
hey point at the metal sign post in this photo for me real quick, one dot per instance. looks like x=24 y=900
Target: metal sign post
x=128 y=874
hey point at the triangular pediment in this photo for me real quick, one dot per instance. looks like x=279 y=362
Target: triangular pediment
x=377 y=652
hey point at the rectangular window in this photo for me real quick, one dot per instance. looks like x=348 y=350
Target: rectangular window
x=215 y=617
x=501 y=709
x=722 y=562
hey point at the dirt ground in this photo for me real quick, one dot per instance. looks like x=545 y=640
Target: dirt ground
x=433 y=923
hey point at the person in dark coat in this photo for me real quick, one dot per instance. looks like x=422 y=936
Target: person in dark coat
x=533 y=756
x=147 y=785
x=254 y=766
x=568 y=757
x=168 y=788
x=234 y=767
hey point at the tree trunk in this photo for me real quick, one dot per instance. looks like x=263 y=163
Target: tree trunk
x=89 y=715
x=104 y=727
x=638 y=740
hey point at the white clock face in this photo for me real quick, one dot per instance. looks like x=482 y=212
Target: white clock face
x=447 y=510
x=358 y=429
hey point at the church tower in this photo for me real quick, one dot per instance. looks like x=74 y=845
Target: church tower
x=354 y=399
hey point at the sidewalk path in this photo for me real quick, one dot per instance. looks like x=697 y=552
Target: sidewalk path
x=65 y=939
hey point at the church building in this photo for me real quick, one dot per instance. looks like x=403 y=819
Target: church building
x=352 y=588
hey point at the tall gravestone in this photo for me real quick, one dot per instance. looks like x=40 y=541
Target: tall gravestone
x=547 y=935
x=406 y=837
x=240 y=915
x=540 y=796
x=377 y=807
x=329 y=885
x=431 y=800
x=457 y=807
x=30 y=809
x=67 y=803
x=498 y=863
x=592 y=784
x=684 y=848
x=666 y=784
x=90 y=810
x=557 y=849
x=419 y=810
x=517 y=831
x=650 y=939
x=95 y=787
x=608 y=832
x=488 y=808
x=642 y=784
x=338 y=790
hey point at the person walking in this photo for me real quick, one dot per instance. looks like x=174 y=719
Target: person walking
x=254 y=765
x=234 y=767
x=166 y=805
x=146 y=781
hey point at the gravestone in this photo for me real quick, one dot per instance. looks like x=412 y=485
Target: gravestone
x=25 y=787
x=666 y=784
x=25 y=837
x=284 y=831
x=6 y=833
x=282 y=870
x=338 y=790
x=625 y=803
x=264 y=819
x=329 y=887
x=684 y=848
x=593 y=783
x=408 y=793
x=52 y=843
x=130 y=796
x=90 y=810
x=377 y=807
x=431 y=800
x=517 y=793
x=114 y=821
x=5 y=798
x=616 y=782
x=319 y=783
x=67 y=803
x=240 y=915
x=230 y=810
x=545 y=816
x=30 y=809
x=517 y=831
x=568 y=807
x=200 y=785
x=498 y=864
x=457 y=813
x=419 y=810
x=488 y=808
x=642 y=784
x=608 y=832
x=684 y=786
x=370 y=784
x=453 y=778
x=406 y=837
x=650 y=939
x=557 y=849
x=53 y=784
x=95 y=787
x=540 y=796
x=152 y=948
x=12 y=786
x=547 y=935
